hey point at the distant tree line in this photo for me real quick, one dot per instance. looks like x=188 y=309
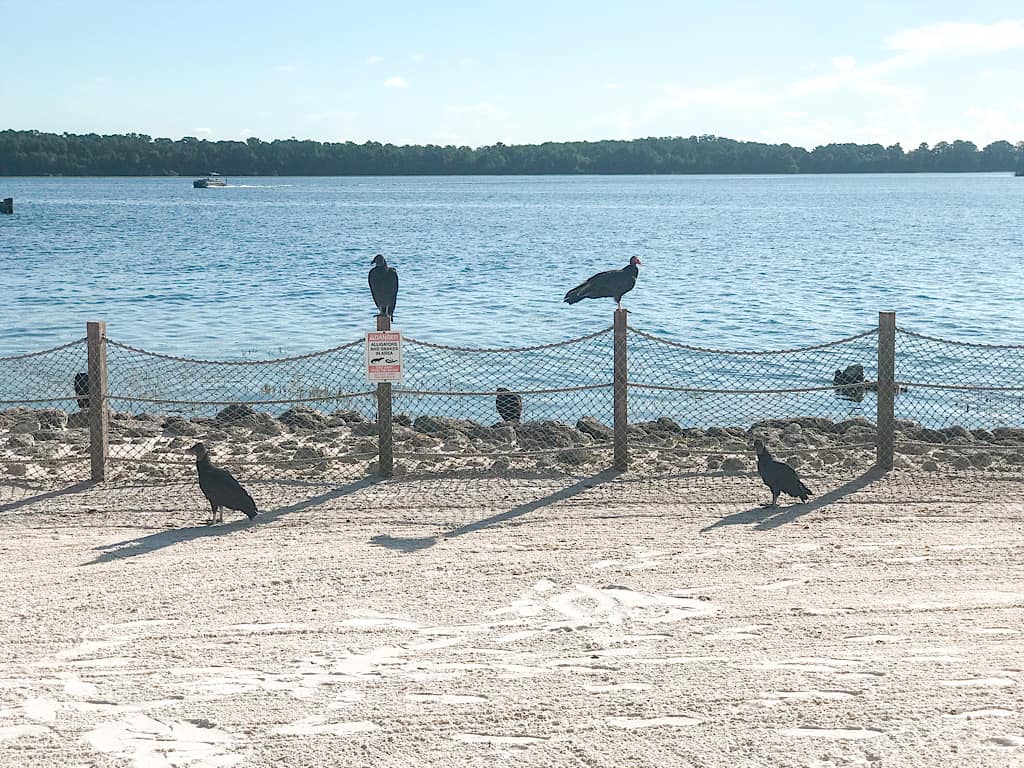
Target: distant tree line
x=32 y=153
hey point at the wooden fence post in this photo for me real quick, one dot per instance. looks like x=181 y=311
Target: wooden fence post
x=385 y=444
x=99 y=415
x=620 y=383
x=886 y=417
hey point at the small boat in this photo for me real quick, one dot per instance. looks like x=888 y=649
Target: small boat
x=1019 y=172
x=213 y=180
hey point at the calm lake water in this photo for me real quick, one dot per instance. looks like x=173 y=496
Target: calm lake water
x=278 y=266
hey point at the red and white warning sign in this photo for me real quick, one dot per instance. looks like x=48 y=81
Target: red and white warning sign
x=383 y=356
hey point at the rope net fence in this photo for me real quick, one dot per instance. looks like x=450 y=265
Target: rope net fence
x=310 y=417
x=961 y=405
x=697 y=410
x=544 y=410
x=44 y=435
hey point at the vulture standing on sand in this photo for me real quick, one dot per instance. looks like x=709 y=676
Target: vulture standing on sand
x=220 y=488
x=613 y=284
x=779 y=477
x=509 y=404
x=384 y=286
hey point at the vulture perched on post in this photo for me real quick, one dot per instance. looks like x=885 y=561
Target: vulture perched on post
x=383 y=286
x=509 y=404
x=779 y=477
x=220 y=488
x=613 y=284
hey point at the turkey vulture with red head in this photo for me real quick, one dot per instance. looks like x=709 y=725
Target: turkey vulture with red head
x=613 y=284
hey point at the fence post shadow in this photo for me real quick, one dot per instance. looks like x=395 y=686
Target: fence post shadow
x=416 y=543
x=78 y=487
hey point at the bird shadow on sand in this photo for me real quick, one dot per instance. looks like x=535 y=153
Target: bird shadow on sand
x=414 y=544
x=767 y=518
x=162 y=539
x=28 y=501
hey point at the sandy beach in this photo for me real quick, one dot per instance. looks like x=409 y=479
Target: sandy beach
x=607 y=621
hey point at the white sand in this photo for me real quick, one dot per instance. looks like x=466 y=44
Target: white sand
x=518 y=623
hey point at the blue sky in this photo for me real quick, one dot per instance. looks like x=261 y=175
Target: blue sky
x=442 y=72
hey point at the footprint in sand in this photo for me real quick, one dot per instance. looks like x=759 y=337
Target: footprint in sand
x=519 y=742
x=980 y=682
x=786 y=584
x=831 y=733
x=164 y=742
x=1007 y=742
x=777 y=697
x=631 y=723
x=13 y=732
x=974 y=714
x=806 y=664
x=444 y=698
x=317 y=725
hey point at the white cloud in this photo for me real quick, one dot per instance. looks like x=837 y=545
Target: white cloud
x=612 y=86
x=418 y=57
x=285 y=68
x=204 y=131
x=371 y=60
x=959 y=38
x=396 y=82
x=844 y=63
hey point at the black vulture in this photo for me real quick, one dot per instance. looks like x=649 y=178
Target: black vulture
x=82 y=389
x=383 y=286
x=509 y=404
x=613 y=284
x=220 y=488
x=779 y=477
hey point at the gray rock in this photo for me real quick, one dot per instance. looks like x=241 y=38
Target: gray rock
x=442 y=426
x=308 y=457
x=844 y=426
x=354 y=417
x=715 y=461
x=17 y=469
x=25 y=427
x=18 y=440
x=733 y=465
x=574 y=456
x=52 y=418
x=302 y=417
x=364 y=429
x=588 y=425
x=79 y=419
x=503 y=435
x=175 y=426
x=263 y=424
x=957 y=431
x=983 y=435
x=547 y=434
x=48 y=435
x=234 y=412
x=930 y=466
x=913 y=449
x=981 y=459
